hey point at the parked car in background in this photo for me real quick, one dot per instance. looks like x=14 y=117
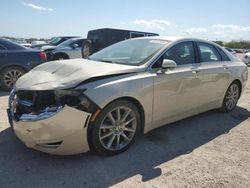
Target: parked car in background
x=104 y=102
x=38 y=42
x=101 y=38
x=53 y=42
x=246 y=58
x=16 y=60
x=69 y=49
x=230 y=50
x=238 y=50
x=21 y=42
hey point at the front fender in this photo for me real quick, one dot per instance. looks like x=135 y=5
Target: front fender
x=138 y=86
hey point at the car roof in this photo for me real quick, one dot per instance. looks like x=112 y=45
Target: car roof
x=178 y=38
x=174 y=38
x=122 y=30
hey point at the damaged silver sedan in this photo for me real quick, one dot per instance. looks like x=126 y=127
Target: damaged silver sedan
x=103 y=103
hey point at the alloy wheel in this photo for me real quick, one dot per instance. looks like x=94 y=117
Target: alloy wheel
x=118 y=128
x=232 y=96
x=11 y=77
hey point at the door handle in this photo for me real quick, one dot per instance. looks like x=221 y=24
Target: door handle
x=196 y=71
x=225 y=67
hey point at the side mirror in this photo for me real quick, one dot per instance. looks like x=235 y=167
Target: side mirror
x=168 y=64
x=75 y=46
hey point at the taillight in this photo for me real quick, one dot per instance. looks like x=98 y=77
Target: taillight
x=43 y=55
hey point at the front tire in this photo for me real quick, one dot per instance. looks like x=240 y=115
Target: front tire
x=116 y=128
x=231 y=98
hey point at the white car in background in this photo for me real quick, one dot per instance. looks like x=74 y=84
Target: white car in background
x=38 y=42
x=246 y=58
x=69 y=49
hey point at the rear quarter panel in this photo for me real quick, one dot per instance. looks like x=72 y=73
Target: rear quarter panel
x=24 y=59
x=238 y=72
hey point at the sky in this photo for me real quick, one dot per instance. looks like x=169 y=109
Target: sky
x=208 y=19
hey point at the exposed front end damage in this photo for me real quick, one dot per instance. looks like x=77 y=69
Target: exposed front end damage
x=54 y=122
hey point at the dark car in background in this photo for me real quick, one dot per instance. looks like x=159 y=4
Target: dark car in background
x=16 y=60
x=101 y=38
x=53 y=42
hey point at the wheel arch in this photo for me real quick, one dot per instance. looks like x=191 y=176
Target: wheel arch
x=61 y=54
x=135 y=102
x=13 y=65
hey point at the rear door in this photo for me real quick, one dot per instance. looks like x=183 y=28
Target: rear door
x=215 y=74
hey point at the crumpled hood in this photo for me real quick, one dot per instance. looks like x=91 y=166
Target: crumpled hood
x=64 y=74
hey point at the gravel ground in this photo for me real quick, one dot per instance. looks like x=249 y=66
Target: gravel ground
x=207 y=150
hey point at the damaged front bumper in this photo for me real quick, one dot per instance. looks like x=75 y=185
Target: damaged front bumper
x=58 y=130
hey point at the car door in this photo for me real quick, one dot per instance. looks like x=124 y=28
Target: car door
x=215 y=75
x=177 y=91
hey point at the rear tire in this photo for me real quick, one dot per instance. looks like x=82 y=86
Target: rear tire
x=9 y=76
x=231 y=97
x=115 y=128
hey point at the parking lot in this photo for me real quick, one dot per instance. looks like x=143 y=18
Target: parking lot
x=208 y=150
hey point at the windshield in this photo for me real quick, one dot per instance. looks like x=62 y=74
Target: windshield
x=66 y=43
x=55 y=40
x=130 y=52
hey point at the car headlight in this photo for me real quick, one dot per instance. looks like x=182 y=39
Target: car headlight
x=76 y=99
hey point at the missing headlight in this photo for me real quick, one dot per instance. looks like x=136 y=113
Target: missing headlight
x=76 y=99
x=35 y=105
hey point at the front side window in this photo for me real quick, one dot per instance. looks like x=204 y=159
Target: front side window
x=182 y=53
x=79 y=43
x=208 y=53
x=55 y=40
x=67 y=43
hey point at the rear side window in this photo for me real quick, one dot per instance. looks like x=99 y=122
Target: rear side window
x=208 y=53
x=182 y=53
x=223 y=55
